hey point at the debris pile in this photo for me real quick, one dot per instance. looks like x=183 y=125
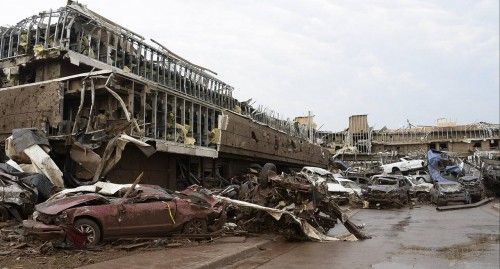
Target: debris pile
x=290 y=204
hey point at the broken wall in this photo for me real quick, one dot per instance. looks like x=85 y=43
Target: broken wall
x=36 y=105
x=242 y=136
x=159 y=169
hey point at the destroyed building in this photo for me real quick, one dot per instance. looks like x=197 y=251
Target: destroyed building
x=85 y=80
x=361 y=142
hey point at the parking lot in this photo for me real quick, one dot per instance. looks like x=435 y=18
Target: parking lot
x=402 y=238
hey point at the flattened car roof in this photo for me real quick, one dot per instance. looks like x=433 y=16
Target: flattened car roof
x=54 y=207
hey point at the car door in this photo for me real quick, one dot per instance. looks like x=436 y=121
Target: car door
x=147 y=217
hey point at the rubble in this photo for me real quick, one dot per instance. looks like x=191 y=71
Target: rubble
x=30 y=146
x=300 y=208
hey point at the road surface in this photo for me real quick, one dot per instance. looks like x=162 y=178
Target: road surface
x=405 y=238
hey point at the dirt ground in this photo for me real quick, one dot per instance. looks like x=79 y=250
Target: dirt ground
x=420 y=237
x=19 y=252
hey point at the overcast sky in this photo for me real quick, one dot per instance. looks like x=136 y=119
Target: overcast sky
x=392 y=60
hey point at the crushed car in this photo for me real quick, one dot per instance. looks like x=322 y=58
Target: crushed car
x=17 y=199
x=339 y=193
x=446 y=191
x=473 y=186
x=352 y=187
x=103 y=211
x=20 y=191
x=419 y=189
x=388 y=190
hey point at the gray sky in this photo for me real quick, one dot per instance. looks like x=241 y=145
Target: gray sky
x=394 y=60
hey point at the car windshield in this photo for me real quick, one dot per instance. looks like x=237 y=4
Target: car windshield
x=451 y=187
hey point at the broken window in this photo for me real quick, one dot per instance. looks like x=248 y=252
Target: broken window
x=477 y=145
x=443 y=146
x=494 y=144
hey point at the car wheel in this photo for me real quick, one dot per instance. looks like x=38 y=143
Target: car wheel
x=90 y=228
x=195 y=226
x=395 y=170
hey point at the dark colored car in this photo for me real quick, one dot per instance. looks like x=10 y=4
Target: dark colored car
x=150 y=211
x=446 y=191
x=388 y=190
x=473 y=186
x=17 y=199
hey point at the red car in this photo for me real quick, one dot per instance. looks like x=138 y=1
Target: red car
x=150 y=211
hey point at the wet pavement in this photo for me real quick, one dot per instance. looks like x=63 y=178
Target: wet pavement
x=406 y=238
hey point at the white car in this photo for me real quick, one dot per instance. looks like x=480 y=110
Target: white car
x=314 y=174
x=350 y=185
x=422 y=177
x=404 y=164
x=419 y=189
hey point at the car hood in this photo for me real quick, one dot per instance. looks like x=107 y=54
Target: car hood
x=333 y=187
x=384 y=188
x=55 y=207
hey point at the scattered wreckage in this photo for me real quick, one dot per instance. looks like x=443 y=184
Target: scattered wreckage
x=318 y=175
x=294 y=205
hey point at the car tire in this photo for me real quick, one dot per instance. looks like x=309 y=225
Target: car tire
x=195 y=227
x=90 y=227
x=395 y=170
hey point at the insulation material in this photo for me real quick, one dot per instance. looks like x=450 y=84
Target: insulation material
x=45 y=164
